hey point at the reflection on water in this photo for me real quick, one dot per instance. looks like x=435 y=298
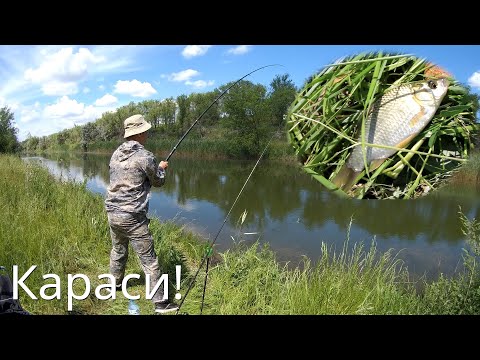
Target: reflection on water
x=289 y=210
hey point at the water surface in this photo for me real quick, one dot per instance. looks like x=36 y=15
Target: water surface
x=293 y=212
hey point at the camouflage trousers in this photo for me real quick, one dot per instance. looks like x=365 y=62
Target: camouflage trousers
x=133 y=228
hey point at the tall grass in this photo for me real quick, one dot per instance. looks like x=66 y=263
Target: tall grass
x=57 y=226
x=102 y=146
x=62 y=228
x=469 y=173
x=218 y=148
x=251 y=281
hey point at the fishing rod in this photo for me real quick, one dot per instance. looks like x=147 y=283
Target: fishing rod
x=208 y=252
x=208 y=108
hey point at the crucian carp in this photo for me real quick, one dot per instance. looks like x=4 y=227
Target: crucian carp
x=395 y=119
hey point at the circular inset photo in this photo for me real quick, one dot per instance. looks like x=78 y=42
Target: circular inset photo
x=382 y=126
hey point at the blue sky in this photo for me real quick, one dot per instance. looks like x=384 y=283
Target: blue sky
x=51 y=88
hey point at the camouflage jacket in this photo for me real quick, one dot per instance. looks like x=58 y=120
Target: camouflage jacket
x=133 y=171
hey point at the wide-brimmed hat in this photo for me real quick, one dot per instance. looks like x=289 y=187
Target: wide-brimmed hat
x=135 y=124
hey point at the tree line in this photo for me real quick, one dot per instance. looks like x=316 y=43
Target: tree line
x=244 y=116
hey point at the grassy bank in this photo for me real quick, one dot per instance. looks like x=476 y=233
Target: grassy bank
x=62 y=228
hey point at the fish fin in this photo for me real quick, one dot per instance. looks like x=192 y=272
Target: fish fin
x=417 y=117
x=375 y=164
x=402 y=144
x=345 y=178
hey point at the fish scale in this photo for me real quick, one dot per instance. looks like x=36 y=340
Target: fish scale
x=396 y=118
x=392 y=108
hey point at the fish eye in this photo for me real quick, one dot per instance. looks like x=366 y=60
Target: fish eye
x=432 y=85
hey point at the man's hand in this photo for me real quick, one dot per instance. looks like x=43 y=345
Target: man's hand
x=163 y=164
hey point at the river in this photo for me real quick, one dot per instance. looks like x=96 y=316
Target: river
x=293 y=212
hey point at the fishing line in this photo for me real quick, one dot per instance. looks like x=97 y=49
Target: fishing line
x=175 y=148
x=208 y=108
x=209 y=248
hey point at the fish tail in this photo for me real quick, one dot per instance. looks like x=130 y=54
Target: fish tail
x=345 y=178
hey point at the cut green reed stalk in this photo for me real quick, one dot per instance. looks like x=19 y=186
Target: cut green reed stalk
x=329 y=114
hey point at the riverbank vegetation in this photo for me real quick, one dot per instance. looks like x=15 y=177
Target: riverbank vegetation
x=469 y=173
x=62 y=228
x=238 y=126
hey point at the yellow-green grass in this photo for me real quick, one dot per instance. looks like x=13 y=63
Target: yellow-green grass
x=62 y=228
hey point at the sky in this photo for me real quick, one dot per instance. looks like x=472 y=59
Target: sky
x=55 y=87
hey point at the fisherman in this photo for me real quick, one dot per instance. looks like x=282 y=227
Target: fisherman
x=133 y=171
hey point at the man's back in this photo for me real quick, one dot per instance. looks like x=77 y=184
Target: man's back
x=133 y=170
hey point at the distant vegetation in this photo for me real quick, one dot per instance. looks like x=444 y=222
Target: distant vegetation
x=237 y=126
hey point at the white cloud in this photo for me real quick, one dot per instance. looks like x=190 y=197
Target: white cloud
x=56 y=88
x=66 y=113
x=199 y=84
x=64 y=107
x=106 y=100
x=183 y=75
x=63 y=66
x=186 y=75
x=28 y=115
x=134 y=88
x=195 y=50
x=12 y=105
x=474 y=80
x=28 y=73
x=239 y=50
x=58 y=72
x=25 y=69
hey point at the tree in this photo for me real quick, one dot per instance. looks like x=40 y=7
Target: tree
x=62 y=137
x=89 y=134
x=154 y=113
x=195 y=105
x=8 y=132
x=168 y=109
x=30 y=143
x=183 y=102
x=281 y=96
x=246 y=108
x=202 y=101
x=110 y=126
